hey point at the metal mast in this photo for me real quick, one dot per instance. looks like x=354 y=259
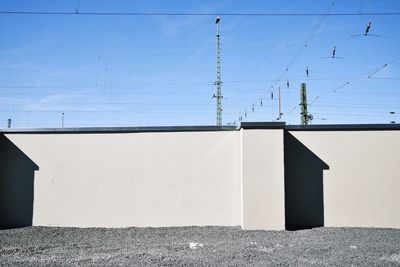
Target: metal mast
x=280 y=105
x=303 y=105
x=218 y=82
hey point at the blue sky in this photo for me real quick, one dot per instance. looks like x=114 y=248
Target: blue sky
x=159 y=70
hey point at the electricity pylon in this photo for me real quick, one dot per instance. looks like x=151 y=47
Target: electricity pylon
x=218 y=82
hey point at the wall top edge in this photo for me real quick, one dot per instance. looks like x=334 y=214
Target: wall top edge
x=320 y=127
x=262 y=125
x=121 y=129
x=343 y=127
x=243 y=125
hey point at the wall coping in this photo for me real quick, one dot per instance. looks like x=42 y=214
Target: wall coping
x=243 y=125
x=343 y=127
x=120 y=129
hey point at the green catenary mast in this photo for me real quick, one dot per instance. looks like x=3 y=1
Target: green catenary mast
x=303 y=105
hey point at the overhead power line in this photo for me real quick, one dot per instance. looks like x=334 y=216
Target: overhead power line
x=296 y=56
x=369 y=75
x=186 y=83
x=104 y=111
x=4 y=12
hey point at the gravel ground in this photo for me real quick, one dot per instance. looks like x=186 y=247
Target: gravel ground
x=194 y=246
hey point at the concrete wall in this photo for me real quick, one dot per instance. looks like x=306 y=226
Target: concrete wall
x=134 y=179
x=268 y=179
x=263 y=180
x=361 y=180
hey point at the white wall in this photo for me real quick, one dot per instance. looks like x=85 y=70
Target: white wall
x=361 y=187
x=207 y=178
x=263 y=196
x=135 y=179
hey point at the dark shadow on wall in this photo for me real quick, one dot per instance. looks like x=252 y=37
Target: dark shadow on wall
x=17 y=172
x=304 y=196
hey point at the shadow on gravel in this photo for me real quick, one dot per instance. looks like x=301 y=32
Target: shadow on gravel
x=304 y=196
x=17 y=172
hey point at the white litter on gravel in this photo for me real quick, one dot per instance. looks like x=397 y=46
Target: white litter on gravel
x=264 y=249
x=225 y=246
x=353 y=247
x=392 y=258
x=194 y=245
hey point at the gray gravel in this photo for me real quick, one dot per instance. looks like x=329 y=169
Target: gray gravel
x=226 y=246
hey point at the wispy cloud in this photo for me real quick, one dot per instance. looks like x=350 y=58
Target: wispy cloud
x=173 y=26
x=27 y=47
x=11 y=100
x=60 y=97
x=55 y=101
x=15 y=65
x=69 y=102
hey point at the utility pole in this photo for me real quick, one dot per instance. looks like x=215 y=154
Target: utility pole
x=280 y=104
x=303 y=105
x=218 y=82
x=62 y=120
x=9 y=123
